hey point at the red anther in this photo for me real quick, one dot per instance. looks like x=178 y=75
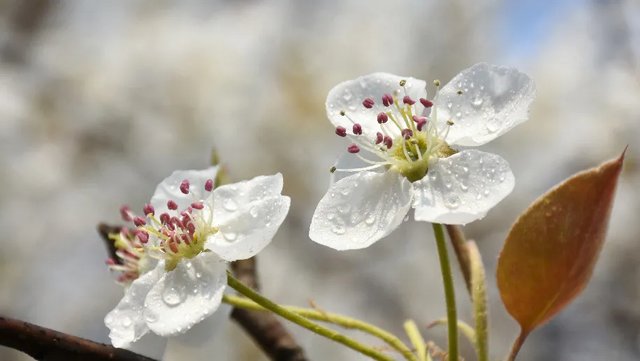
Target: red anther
x=368 y=103
x=426 y=103
x=143 y=236
x=353 y=149
x=125 y=213
x=357 y=129
x=407 y=100
x=208 y=185
x=186 y=220
x=379 y=138
x=383 y=118
x=197 y=205
x=173 y=247
x=407 y=133
x=186 y=239
x=148 y=209
x=111 y=262
x=341 y=131
x=421 y=123
x=191 y=228
x=165 y=218
x=388 y=141
x=139 y=221
x=184 y=186
x=387 y=100
x=176 y=222
x=172 y=205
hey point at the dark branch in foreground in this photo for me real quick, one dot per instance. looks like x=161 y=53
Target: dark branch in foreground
x=265 y=329
x=49 y=345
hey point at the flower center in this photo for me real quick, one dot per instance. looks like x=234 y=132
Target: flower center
x=419 y=141
x=178 y=234
x=129 y=261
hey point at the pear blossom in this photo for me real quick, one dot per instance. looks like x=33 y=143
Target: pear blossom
x=416 y=151
x=173 y=262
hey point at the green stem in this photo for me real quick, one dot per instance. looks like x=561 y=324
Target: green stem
x=340 y=320
x=449 y=293
x=303 y=321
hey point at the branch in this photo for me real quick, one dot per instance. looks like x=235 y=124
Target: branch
x=49 y=345
x=265 y=329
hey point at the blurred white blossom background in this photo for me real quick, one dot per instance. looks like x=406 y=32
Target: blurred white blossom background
x=99 y=101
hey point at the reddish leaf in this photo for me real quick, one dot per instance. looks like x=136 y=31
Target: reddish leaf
x=553 y=246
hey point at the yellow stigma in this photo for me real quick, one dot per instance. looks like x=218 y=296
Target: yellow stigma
x=412 y=155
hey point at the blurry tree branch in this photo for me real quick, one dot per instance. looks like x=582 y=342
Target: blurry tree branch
x=49 y=345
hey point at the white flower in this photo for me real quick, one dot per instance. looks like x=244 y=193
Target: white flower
x=193 y=230
x=419 y=146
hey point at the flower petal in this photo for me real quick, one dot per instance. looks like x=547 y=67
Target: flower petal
x=126 y=322
x=494 y=99
x=169 y=189
x=360 y=209
x=234 y=198
x=186 y=295
x=250 y=229
x=462 y=188
x=349 y=95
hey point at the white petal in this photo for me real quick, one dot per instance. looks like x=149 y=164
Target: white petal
x=186 y=295
x=126 y=322
x=360 y=209
x=494 y=100
x=249 y=229
x=231 y=199
x=462 y=188
x=169 y=189
x=349 y=95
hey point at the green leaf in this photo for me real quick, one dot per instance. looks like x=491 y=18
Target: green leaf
x=552 y=248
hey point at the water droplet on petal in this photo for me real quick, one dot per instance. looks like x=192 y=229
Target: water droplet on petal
x=344 y=208
x=347 y=95
x=331 y=216
x=337 y=229
x=171 y=296
x=230 y=236
x=477 y=102
x=126 y=321
x=486 y=192
x=449 y=105
x=230 y=205
x=345 y=192
x=452 y=201
x=370 y=219
x=150 y=317
x=493 y=124
x=253 y=211
x=464 y=187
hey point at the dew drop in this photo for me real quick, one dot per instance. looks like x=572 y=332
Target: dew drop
x=452 y=201
x=337 y=229
x=458 y=114
x=345 y=192
x=493 y=125
x=171 y=296
x=253 y=212
x=464 y=187
x=344 y=208
x=449 y=105
x=331 y=216
x=370 y=219
x=477 y=101
x=230 y=236
x=230 y=205
x=198 y=274
x=448 y=185
x=347 y=96
x=150 y=317
x=486 y=192
x=126 y=321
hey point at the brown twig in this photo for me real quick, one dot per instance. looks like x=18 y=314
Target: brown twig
x=265 y=329
x=459 y=243
x=46 y=344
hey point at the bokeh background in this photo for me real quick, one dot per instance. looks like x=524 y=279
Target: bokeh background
x=101 y=100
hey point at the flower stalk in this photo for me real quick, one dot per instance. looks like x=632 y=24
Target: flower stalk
x=305 y=322
x=449 y=293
